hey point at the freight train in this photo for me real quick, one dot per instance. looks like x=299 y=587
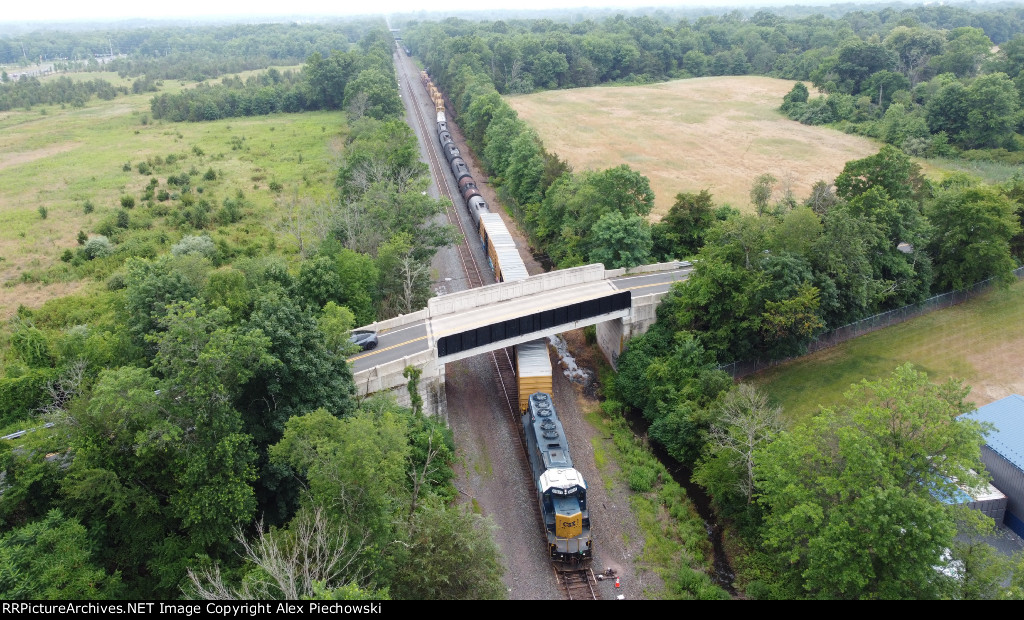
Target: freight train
x=561 y=490
x=502 y=256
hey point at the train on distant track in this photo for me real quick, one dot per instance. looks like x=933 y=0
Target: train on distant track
x=561 y=489
x=502 y=256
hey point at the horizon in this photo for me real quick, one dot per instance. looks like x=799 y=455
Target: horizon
x=66 y=12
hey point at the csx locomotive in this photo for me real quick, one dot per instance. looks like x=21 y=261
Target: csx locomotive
x=561 y=490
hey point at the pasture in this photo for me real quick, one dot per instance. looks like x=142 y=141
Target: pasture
x=716 y=133
x=979 y=341
x=57 y=158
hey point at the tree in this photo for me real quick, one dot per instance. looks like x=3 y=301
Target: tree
x=619 y=241
x=993 y=105
x=975 y=569
x=761 y=192
x=851 y=498
x=50 y=559
x=313 y=554
x=973 y=229
x=441 y=542
x=681 y=232
x=377 y=91
x=890 y=169
x=746 y=423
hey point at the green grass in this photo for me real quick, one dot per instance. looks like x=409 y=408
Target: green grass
x=987 y=171
x=978 y=341
x=70 y=155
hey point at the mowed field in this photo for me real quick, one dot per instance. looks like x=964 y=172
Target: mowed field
x=58 y=158
x=716 y=133
x=979 y=341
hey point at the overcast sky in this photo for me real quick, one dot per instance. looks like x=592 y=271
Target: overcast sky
x=65 y=10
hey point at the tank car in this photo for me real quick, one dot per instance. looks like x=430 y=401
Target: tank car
x=561 y=490
x=459 y=168
x=476 y=206
x=468 y=188
x=451 y=152
x=445 y=138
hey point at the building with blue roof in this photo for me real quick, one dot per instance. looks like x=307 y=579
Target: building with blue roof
x=1003 y=455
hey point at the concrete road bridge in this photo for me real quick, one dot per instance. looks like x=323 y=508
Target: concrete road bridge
x=620 y=302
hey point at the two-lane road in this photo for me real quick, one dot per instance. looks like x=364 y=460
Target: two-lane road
x=416 y=337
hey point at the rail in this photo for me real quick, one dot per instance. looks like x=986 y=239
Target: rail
x=469 y=265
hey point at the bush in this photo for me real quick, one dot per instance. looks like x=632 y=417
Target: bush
x=642 y=478
x=163 y=195
x=195 y=244
x=144 y=168
x=275 y=186
x=128 y=202
x=123 y=220
x=82 y=238
x=42 y=212
x=21 y=396
x=127 y=167
x=210 y=175
x=88 y=207
x=98 y=247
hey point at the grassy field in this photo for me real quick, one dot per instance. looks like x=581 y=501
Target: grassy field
x=979 y=341
x=57 y=158
x=715 y=133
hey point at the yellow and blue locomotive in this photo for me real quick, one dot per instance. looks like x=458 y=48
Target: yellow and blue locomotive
x=561 y=490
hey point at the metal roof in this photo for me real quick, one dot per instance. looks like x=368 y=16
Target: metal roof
x=532 y=359
x=1007 y=416
x=561 y=478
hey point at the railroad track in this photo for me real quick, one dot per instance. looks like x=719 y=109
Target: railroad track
x=576 y=587
x=578 y=584
x=469 y=265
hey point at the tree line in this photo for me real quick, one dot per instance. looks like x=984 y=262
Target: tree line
x=929 y=93
x=527 y=55
x=360 y=80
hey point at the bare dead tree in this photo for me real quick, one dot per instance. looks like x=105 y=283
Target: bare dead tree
x=747 y=422
x=293 y=221
x=307 y=221
x=413 y=274
x=359 y=105
x=313 y=550
x=420 y=478
x=62 y=390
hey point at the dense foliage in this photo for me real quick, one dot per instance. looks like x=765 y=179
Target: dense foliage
x=206 y=439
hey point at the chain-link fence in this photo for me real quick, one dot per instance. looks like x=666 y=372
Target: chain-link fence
x=870 y=324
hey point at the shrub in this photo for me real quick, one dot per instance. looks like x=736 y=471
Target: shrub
x=88 y=207
x=195 y=244
x=210 y=175
x=123 y=220
x=67 y=256
x=163 y=195
x=144 y=168
x=42 y=212
x=82 y=238
x=98 y=247
x=127 y=167
x=128 y=202
x=275 y=186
